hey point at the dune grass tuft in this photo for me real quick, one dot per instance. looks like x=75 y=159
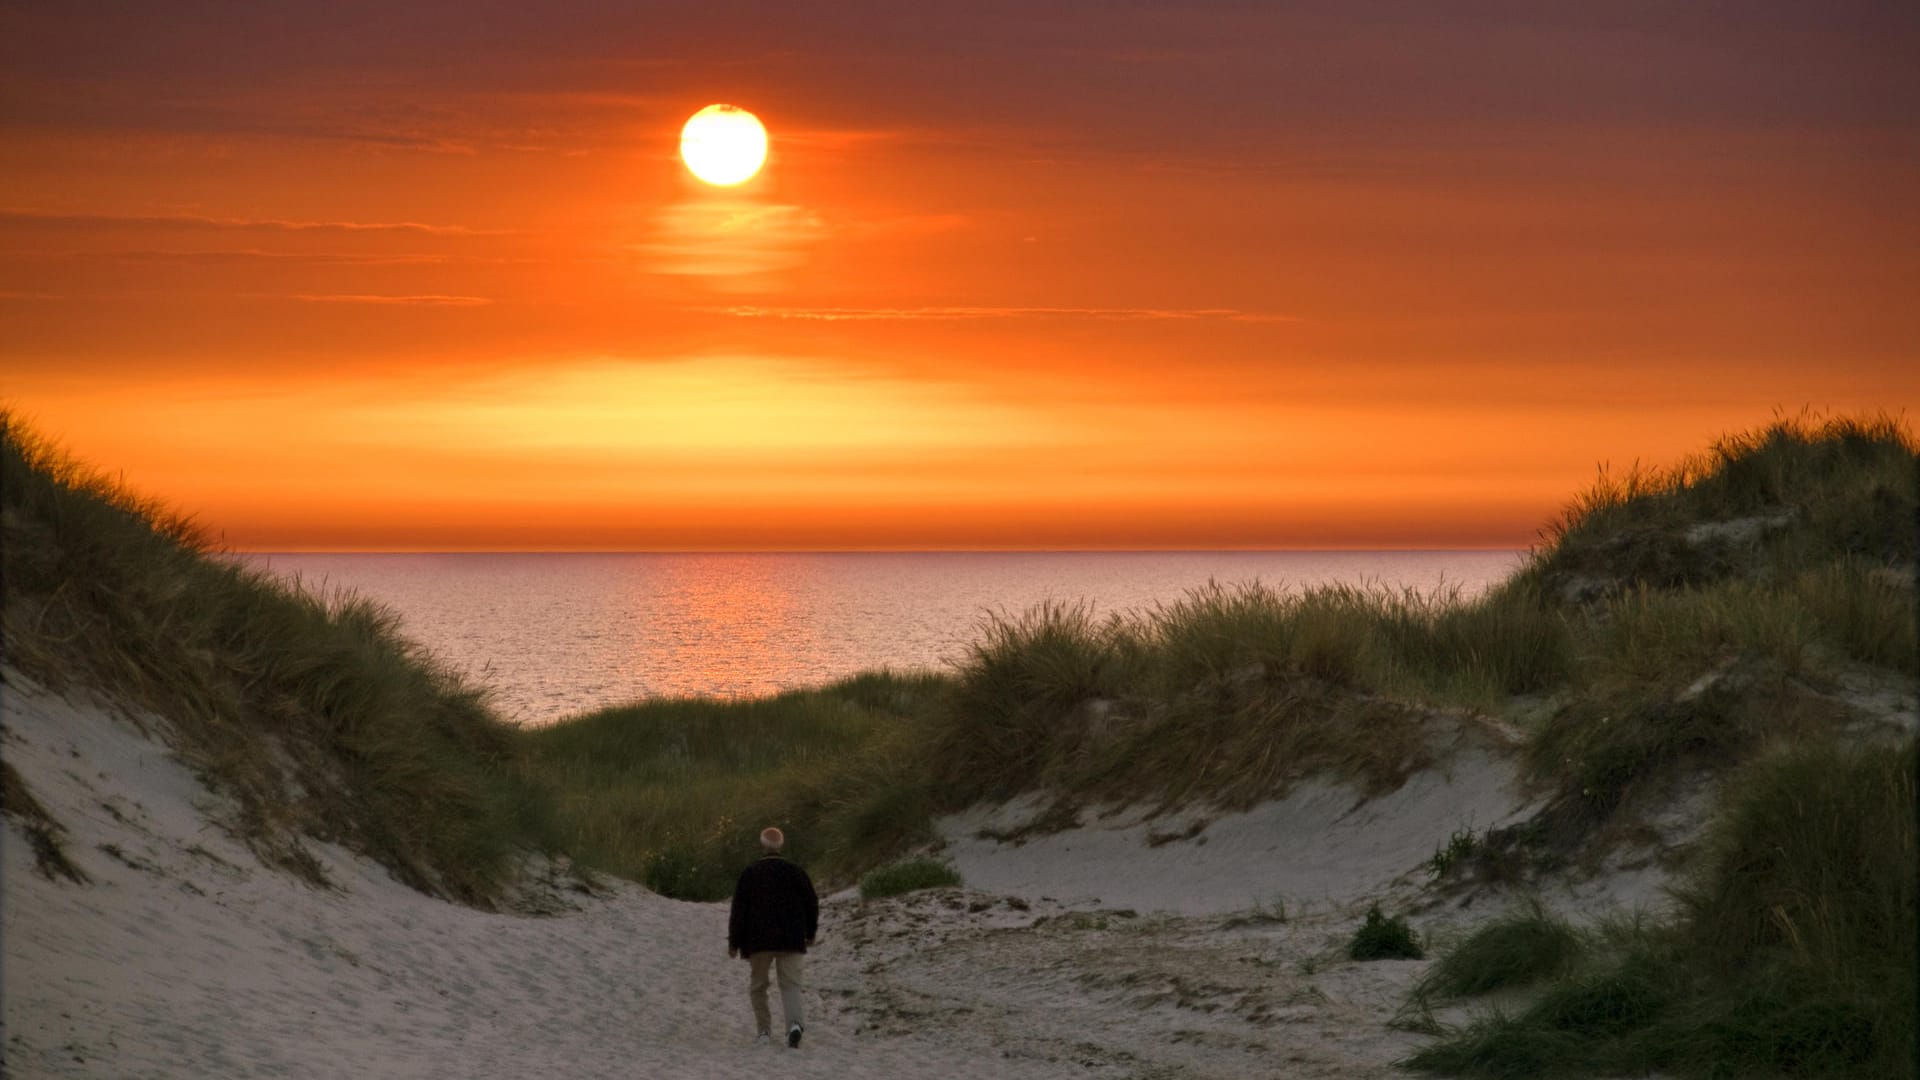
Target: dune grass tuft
x=1517 y=950
x=1381 y=937
x=907 y=875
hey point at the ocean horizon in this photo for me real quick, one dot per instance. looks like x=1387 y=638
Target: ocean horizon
x=555 y=634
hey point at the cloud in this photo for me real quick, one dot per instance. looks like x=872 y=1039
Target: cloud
x=248 y=255
x=59 y=218
x=720 y=237
x=953 y=313
x=375 y=298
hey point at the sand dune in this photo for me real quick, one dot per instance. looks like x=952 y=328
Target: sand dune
x=1092 y=952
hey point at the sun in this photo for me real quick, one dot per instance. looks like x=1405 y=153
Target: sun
x=723 y=144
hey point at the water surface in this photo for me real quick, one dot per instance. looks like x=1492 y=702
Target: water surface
x=557 y=634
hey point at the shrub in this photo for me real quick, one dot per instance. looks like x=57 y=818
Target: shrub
x=906 y=876
x=1382 y=938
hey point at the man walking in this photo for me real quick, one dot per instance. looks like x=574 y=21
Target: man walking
x=775 y=917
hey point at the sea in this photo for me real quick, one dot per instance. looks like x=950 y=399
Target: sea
x=554 y=635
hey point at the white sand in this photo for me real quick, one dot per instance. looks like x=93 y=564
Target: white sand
x=1322 y=844
x=184 y=957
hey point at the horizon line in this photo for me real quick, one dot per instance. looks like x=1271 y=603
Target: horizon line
x=865 y=551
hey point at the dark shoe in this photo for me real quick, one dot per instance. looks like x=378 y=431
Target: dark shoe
x=793 y=1037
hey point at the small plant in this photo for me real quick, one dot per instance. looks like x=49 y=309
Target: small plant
x=43 y=833
x=907 y=875
x=1259 y=913
x=675 y=870
x=1381 y=938
x=1458 y=848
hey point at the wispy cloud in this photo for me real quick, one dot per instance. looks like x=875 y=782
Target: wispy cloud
x=59 y=218
x=721 y=237
x=252 y=255
x=430 y=299
x=954 y=313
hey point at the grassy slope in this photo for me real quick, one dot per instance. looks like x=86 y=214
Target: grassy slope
x=315 y=718
x=674 y=792
x=1794 y=954
x=1718 y=647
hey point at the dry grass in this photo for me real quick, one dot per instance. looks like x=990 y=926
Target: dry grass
x=312 y=714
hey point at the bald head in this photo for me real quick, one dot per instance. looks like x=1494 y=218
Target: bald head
x=772 y=840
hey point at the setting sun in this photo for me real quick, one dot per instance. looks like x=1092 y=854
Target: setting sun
x=723 y=144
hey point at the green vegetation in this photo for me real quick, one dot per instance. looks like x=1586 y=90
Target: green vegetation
x=1227 y=694
x=1712 y=608
x=1714 y=602
x=1383 y=938
x=1455 y=852
x=674 y=792
x=1793 y=956
x=1516 y=950
x=315 y=717
x=1794 y=495
x=906 y=876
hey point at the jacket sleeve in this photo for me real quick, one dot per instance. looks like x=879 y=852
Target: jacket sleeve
x=737 y=916
x=813 y=906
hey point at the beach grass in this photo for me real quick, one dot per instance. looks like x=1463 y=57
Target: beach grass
x=674 y=792
x=1793 y=954
x=313 y=715
x=1518 y=949
x=905 y=876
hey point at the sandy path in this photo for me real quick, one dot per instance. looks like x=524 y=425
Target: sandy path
x=1115 y=993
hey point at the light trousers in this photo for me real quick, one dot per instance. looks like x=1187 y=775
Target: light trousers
x=790 y=967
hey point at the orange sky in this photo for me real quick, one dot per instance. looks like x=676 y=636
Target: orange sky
x=1033 y=276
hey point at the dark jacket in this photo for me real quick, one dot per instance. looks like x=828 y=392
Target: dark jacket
x=774 y=909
